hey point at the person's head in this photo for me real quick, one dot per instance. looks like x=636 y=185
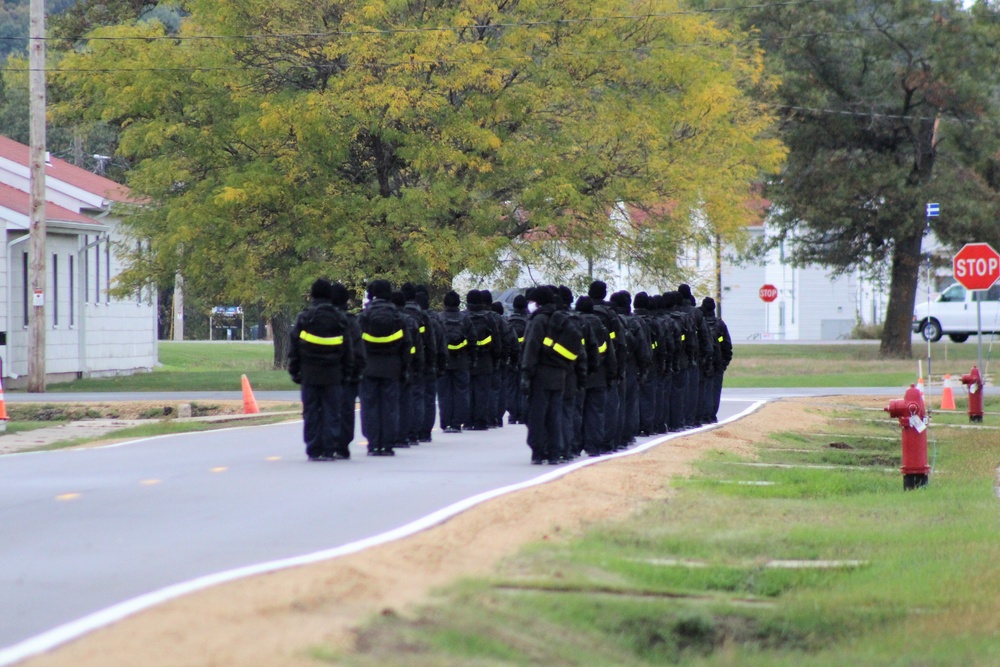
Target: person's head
x=409 y=291
x=598 y=290
x=520 y=303
x=486 y=296
x=584 y=304
x=641 y=301
x=497 y=307
x=686 y=297
x=379 y=289
x=540 y=296
x=398 y=298
x=565 y=295
x=452 y=300
x=708 y=305
x=622 y=301
x=321 y=289
x=423 y=300
x=339 y=295
x=660 y=302
x=472 y=298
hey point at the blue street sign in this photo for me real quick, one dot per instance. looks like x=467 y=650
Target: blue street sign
x=933 y=210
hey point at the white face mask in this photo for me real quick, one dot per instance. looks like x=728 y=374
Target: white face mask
x=532 y=306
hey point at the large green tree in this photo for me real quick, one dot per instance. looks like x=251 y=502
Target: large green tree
x=885 y=106
x=278 y=140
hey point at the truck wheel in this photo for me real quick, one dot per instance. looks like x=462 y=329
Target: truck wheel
x=931 y=330
x=958 y=338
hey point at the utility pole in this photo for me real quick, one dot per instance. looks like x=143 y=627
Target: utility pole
x=37 y=231
x=718 y=276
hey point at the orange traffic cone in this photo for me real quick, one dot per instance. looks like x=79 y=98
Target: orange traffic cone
x=920 y=386
x=947 y=397
x=249 y=402
x=3 y=411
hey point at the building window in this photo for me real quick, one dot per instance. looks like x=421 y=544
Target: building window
x=24 y=278
x=107 y=272
x=97 y=272
x=86 y=269
x=71 y=281
x=55 y=289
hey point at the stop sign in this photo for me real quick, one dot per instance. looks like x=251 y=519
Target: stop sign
x=977 y=266
x=768 y=293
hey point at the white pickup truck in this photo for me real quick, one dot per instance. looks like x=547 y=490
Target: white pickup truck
x=953 y=313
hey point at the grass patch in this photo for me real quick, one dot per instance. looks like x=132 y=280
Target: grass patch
x=693 y=581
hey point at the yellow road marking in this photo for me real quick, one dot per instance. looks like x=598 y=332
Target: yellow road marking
x=273 y=458
x=150 y=482
x=68 y=496
x=220 y=469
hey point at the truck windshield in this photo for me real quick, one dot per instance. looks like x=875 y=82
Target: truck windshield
x=953 y=293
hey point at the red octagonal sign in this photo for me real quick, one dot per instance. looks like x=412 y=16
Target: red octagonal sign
x=768 y=293
x=977 y=266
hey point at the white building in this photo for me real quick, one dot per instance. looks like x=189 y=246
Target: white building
x=88 y=333
x=812 y=303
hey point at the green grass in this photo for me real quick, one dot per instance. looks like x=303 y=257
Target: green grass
x=197 y=367
x=626 y=593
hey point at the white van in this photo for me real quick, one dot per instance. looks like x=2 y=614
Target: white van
x=954 y=313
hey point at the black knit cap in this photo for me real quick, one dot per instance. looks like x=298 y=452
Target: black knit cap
x=472 y=298
x=379 y=289
x=520 y=302
x=497 y=307
x=708 y=305
x=565 y=294
x=585 y=305
x=409 y=291
x=641 y=300
x=452 y=300
x=540 y=295
x=339 y=294
x=598 y=290
x=398 y=298
x=686 y=297
x=321 y=289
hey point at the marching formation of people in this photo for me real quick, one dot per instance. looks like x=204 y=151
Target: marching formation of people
x=586 y=376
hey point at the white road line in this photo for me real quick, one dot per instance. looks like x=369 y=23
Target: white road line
x=46 y=641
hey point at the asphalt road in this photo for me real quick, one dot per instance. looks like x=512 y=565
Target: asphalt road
x=85 y=530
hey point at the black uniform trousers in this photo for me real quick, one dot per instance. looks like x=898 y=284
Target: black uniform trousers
x=321 y=418
x=693 y=375
x=513 y=396
x=479 y=405
x=678 y=402
x=380 y=412
x=496 y=398
x=411 y=412
x=544 y=418
x=348 y=396
x=453 y=398
x=430 y=396
x=631 y=408
x=665 y=402
x=648 y=404
x=594 y=420
x=716 y=396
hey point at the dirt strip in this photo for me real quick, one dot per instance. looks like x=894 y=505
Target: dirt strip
x=273 y=620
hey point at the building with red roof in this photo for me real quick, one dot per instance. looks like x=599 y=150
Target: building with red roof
x=88 y=332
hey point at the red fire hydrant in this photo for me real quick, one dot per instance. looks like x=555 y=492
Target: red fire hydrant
x=974 y=382
x=912 y=417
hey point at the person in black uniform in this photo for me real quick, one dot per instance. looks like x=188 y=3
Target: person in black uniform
x=543 y=376
x=485 y=358
x=387 y=350
x=352 y=376
x=440 y=359
x=601 y=367
x=320 y=354
x=515 y=399
x=453 y=386
x=411 y=400
x=702 y=359
x=508 y=349
x=636 y=364
x=724 y=355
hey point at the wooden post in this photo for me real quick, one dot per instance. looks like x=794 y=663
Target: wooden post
x=37 y=231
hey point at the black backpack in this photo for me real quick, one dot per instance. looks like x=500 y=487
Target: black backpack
x=563 y=336
x=481 y=325
x=323 y=335
x=382 y=329
x=519 y=323
x=454 y=335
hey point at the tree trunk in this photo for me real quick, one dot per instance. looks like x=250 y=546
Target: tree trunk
x=902 y=297
x=281 y=325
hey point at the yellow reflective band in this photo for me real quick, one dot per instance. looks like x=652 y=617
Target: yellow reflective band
x=613 y=336
x=521 y=339
x=721 y=338
x=602 y=349
x=413 y=350
x=583 y=341
x=559 y=349
x=683 y=337
x=319 y=340
x=485 y=341
x=654 y=345
x=423 y=329
x=459 y=346
x=391 y=338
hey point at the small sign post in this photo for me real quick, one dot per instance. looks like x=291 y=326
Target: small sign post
x=976 y=267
